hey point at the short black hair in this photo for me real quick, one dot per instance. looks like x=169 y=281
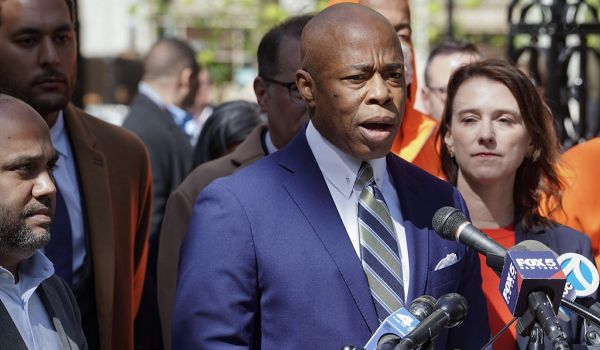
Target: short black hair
x=268 y=48
x=448 y=47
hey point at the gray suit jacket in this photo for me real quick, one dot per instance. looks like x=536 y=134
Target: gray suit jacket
x=62 y=309
x=179 y=212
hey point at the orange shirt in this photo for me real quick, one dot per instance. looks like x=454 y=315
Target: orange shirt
x=580 y=169
x=498 y=313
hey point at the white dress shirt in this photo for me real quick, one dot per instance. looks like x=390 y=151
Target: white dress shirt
x=269 y=143
x=65 y=176
x=25 y=306
x=340 y=171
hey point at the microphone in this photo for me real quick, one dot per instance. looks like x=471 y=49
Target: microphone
x=532 y=285
x=530 y=266
x=400 y=323
x=451 y=310
x=451 y=224
x=527 y=277
x=582 y=275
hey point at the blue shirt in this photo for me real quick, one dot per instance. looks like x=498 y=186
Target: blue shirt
x=24 y=304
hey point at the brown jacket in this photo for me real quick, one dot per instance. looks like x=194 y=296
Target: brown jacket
x=179 y=212
x=116 y=190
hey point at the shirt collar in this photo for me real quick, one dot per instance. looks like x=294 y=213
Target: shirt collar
x=147 y=91
x=269 y=143
x=339 y=168
x=58 y=135
x=178 y=114
x=32 y=271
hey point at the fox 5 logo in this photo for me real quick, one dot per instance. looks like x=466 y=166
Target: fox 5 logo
x=537 y=264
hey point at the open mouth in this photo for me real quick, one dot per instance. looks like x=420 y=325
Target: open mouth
x=377 y=131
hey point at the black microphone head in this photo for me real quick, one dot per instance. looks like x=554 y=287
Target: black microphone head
x=446 y=221
x=455 y=306
x=422 y=307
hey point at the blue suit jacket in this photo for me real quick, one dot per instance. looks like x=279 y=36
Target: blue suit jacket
x=267 y=262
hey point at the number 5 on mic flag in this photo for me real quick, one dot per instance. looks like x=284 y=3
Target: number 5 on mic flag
x=526 y=271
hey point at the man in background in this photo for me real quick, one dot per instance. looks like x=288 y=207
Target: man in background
x=415 y=141
x=100 y=231
x=37 y=308
x=159 y=116
x=443 y=60
x=276 y=92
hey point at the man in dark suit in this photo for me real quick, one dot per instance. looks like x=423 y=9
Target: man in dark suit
x=313 y=246
x=100 y=231
x=37 y=308
x=278 y=59
x=159 y=116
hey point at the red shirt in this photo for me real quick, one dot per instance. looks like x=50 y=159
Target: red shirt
x=498 y=313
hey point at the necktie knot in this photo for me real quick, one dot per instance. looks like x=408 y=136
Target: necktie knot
x=365 y=175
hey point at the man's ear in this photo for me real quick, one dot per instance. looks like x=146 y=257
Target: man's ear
x=260 y=90
x=185 y=77
x=305 y=84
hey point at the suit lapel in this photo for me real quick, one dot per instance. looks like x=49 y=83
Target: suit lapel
x=166 y=121
x=11 y=338
x=250 y=149
x=95 y=192
x=49 y=297
x=307 y=187
x=417 y=238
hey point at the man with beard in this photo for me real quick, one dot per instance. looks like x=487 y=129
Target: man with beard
x=37 y=308
x=100 y=231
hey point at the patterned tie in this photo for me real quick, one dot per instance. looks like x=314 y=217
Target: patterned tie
x=378 y=246
x=60 y=248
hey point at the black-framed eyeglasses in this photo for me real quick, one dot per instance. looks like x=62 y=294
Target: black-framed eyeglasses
x=292 y=88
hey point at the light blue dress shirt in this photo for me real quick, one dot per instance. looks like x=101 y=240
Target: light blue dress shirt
x=24 y=304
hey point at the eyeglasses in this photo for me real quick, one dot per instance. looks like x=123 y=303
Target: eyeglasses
x=293 y=92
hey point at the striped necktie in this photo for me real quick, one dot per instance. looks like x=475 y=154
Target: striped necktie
x=378 y=246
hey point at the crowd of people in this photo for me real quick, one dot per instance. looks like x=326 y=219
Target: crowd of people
x=301 y=220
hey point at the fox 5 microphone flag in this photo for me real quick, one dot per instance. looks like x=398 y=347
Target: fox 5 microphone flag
x=526 y=271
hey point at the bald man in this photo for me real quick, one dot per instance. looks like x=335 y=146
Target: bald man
x=288 y=253
x=37 y=308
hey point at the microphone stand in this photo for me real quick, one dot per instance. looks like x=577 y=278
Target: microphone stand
x=539 y=310
x=536 y=338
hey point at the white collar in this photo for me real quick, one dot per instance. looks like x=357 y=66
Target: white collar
x=149 y=92
x=338 y=167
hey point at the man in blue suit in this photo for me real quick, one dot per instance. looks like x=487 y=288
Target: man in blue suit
x=278 y=255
